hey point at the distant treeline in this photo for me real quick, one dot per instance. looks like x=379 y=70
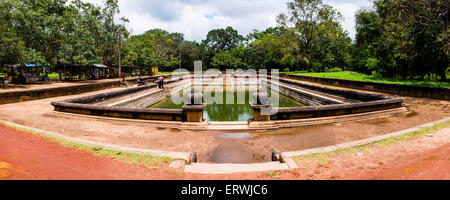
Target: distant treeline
x=396 y=38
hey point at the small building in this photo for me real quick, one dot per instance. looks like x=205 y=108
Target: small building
x=77 y=72
x=128 y=70
x=100 y=71
x=26 y=73
x=73 y=72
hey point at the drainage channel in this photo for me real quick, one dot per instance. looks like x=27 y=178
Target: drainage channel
x=231 y=149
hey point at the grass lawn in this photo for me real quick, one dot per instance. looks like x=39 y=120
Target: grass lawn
x=53 y=76
x=170 y=73
x=348 y=75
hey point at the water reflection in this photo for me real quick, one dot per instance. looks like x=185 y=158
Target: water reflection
x=224 y=110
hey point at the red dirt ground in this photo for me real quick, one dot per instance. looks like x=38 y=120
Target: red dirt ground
x=25 y=156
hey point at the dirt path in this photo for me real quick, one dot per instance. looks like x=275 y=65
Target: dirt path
x=27 y=156
x=39 y=114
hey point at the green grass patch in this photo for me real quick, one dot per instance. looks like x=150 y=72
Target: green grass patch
x=354 y=76
x=147 y=160
x=324 y=157
x=271 y=174
x=53 y=76
x=171 y=73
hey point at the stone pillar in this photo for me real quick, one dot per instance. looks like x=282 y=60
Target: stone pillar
x=194 y=107
x=258 y=115
x=261 y=107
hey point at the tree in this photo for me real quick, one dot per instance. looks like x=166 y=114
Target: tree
x=154 y=48
x=111 y=34
x=307 y=20
x=226 y=60
x=219 y=40
x=418 y=33
x=223 y=39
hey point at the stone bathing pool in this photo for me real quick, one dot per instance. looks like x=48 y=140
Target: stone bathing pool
x=233 y=103
x=300 y=104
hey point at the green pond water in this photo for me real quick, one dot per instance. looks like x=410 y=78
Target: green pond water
x=239 y=110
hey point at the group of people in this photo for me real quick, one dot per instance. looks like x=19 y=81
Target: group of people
x=160 y=80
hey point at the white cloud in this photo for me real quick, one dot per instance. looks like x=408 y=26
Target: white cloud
x=194 y=18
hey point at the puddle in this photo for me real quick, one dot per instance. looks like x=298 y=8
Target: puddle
x=411 y=114
x=232 y=153
x=377 y=121
x=174 y=130
x=234 y=136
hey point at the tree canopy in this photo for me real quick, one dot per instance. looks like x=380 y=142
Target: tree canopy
x=395 y=38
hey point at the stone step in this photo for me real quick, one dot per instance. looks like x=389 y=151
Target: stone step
x=206 y=168
x=214 y=127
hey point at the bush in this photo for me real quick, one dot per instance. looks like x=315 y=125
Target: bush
x=335 y=69
x=286 y=69
x=317 y=67
x=376 y=74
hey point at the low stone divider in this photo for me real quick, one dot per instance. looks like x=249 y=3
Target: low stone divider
x=43 y=93
x=83 y=105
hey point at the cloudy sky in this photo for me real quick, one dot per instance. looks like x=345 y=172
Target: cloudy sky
x=195 y=18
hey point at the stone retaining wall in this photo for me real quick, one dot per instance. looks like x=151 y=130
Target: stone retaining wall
x=304 y=97
x=397 y=89
x=335 y=110
x=371 y=103
x=83 y=105
x=43 y=93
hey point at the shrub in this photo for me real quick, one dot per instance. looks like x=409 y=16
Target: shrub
x=335 y=69
x=317 y=67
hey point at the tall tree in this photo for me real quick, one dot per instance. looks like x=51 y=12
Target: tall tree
x=112 y=34
x=219 y=40
x=418 y=33
x=305 y=22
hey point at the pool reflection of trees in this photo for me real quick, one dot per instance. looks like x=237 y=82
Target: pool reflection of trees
x=230 y=112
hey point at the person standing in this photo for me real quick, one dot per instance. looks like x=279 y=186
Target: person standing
x=122 y=75
x=160 y=82
x=6 y=81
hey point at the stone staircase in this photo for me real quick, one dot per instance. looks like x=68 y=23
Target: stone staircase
x=146 y=102
x=227 y=126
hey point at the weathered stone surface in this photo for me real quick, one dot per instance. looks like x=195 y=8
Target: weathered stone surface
x=82 y=105
x=194 y=113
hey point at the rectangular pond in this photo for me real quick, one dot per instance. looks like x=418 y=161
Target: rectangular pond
x=236 y=110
